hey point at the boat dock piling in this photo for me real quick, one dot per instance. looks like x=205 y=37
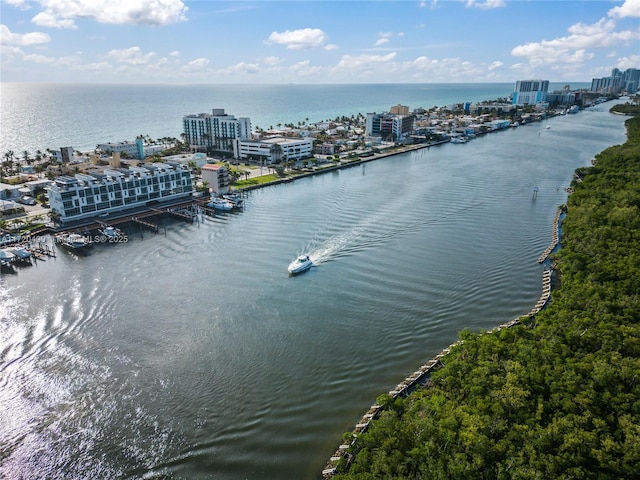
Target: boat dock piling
x=145 y=224
x=39 y=251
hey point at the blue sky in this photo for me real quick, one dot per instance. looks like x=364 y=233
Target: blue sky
x=433 y=41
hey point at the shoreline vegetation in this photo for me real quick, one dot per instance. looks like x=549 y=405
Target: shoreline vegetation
x=556 y=396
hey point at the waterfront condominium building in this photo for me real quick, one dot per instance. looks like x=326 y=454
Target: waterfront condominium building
x=215 y=132
x=607 y=85
x=84 y=196
x=530 y=92
x=274 y=150
x=388 y=126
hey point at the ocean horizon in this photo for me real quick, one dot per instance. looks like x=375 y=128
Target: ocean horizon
x=38 y=116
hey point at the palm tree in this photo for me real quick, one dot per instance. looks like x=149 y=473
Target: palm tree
x=276 y=152
x=26 y=156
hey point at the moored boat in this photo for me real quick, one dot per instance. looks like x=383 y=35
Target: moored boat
x=234 y=199
x=73 y=241
x=220 y=204
x=6 y=257
x=21 y=254
x=111 y=233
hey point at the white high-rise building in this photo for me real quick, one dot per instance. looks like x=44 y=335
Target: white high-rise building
x=530 y=92
x=215 y=132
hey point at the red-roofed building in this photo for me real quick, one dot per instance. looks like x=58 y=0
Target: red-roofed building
x=217 y=178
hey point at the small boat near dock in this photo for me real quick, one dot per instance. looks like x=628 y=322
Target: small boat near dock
x=111 y=234
x=73 y=241
x=21 y=254
x=6 y=257
x=220 y=204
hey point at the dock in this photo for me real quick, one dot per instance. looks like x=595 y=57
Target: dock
x=145 y=224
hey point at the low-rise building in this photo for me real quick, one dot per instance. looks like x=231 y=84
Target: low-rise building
x=216 y=178
x=325 y=149
x=274 y=150
x=131 y=149
x=85 y=196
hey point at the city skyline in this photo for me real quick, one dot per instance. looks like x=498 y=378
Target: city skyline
x=186 y=42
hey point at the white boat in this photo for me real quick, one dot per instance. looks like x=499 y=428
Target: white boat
x=220 y=204
x=300 y=264
x=458 y=140
x=74 y=241
x=234 y=199
x=111 y=233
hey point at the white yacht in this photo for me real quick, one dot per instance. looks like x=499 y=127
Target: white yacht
x=73 y=240
x=300 y=264
x=220 y=204
x=111 y=233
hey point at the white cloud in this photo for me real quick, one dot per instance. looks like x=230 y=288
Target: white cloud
x=21 y=4
x=272 y=61
x=241 y=68
x=495 y=65
x=331 y=47
x=45 y=19
x=149 y=12
x=487 y=4
x=9 y=53
x=364 y=62
x=130 y=56
x=95 y=67
x=628 y=62
x=305 y=69
x=382 y=41
x=38 y=58
x=33 y=38
x=573 y=48
x=630 y=8
x=195 y=65
x=298 y=39
x=445 y=70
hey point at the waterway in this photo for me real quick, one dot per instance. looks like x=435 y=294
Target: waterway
x=191 y=353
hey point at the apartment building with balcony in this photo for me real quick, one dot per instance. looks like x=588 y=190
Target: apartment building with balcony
x=89 y=195
x=215 y=132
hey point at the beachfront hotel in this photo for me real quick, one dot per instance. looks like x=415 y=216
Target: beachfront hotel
x=530 y=92
x=90 y=195
x=215 y=132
